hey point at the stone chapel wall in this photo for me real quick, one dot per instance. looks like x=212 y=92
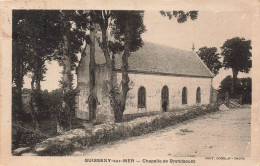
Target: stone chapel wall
x=153 y=85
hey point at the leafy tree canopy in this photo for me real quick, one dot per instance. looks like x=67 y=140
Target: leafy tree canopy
x=74 y=25
x=35 y=38
x=225 y=85
x=237 y=54
x=135 y=19
x=115 y=22
x=180 y=15
x=211 y=58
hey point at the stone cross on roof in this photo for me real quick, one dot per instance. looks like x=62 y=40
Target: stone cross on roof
x=193 y=47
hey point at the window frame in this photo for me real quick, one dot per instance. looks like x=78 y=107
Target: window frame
x=165 y=97
x=198 y=98
x=184 y=94
x=141 y=97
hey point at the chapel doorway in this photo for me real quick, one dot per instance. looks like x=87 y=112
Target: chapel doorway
x=165 y=98
x=92 y=108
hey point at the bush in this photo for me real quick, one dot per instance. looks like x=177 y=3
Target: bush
x=24 y=138
x=243 y=88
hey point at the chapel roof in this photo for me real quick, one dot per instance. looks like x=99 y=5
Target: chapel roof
x=160 y=59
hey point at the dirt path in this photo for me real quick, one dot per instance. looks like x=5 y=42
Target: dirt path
x=225 y=133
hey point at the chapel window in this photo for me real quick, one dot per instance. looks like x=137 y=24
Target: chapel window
x=165 y=98
x=184 y=95
x=198 y=95
x=141 y=97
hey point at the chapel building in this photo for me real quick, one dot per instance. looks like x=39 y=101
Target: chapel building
x=162 y=78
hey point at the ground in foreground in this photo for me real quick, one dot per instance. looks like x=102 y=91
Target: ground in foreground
x=224 y=133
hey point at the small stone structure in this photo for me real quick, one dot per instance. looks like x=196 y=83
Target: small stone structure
x=161 y=78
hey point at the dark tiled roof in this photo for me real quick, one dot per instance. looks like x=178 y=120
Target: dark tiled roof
x=155 y=58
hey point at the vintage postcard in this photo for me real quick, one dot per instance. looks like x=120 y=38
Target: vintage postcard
x=130 y=82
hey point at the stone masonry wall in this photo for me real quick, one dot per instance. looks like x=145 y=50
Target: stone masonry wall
x=103 y=111
x=82 y=85
x=153 y=85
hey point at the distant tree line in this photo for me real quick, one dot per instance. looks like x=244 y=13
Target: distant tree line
x=50 y=100
x=243 y=89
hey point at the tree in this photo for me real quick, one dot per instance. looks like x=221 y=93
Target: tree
x=211 y=58
x=40 y=36
x=19 y=64
x=34 y=31
x=237 y=56
x=51 y=100
x=71 y=34
x=126 y=29
x=225 y=86
x=245 y=89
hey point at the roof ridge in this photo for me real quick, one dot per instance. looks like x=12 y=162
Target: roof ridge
x=163 y=45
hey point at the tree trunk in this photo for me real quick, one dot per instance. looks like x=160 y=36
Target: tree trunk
x=20 y=85
x=59 y=128
x=233 y=86
x=66 y=78
x=37 y=91
x=106 y=53
x=70 y=122
x=125 y=78
x=18 y=81
x=118 y=115
x=33 y=110
x=117 y=101
x=111 y=83
x=66 y=73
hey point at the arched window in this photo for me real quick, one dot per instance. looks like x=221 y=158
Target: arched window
x=165 y=98
x=184 y=95
x=141 y=97
x=92 y=78
x=198 y=98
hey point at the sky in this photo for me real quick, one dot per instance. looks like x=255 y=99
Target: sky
x=210 y=29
